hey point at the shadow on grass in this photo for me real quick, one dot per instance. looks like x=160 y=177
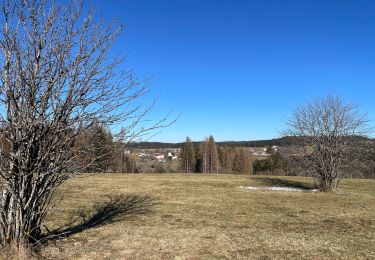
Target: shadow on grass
x=279 y=182
x=114 y=209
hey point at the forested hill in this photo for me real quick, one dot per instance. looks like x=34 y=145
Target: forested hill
x=283 y=142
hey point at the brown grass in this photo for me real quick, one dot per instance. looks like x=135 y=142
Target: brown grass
x=178 y=216
x=15 y=253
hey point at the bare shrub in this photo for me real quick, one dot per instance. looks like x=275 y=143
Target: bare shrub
x=57 y=80
x=327 y=127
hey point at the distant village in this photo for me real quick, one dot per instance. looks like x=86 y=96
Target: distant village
x=155 y=160
x=263 y=151
x=169 y=154
x=168 y=159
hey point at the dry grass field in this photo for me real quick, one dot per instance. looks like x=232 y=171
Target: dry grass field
x=179 y=216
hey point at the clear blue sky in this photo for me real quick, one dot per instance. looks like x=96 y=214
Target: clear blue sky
x=237 y=69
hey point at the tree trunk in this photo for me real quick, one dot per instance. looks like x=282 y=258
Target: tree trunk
x=328 y=185
x=22 y=212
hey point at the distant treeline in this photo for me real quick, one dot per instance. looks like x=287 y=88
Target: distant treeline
x=283 y=142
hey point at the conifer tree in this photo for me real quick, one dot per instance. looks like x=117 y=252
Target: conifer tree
x=212 y=157
x=205 y=156
x=187 y=156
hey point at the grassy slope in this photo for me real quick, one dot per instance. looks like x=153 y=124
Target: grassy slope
x=175 y=216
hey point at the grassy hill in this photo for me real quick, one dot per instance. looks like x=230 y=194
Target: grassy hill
x=177 y=216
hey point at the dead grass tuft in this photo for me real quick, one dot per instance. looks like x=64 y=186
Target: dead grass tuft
x=14 y=253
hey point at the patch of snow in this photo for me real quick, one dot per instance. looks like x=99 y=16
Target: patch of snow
x=277 y=189
x=249 y=188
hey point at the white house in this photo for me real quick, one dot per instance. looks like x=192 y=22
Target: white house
x=172 y=156
x=159 y=156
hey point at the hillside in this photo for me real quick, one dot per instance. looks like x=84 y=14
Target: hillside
x=197 y=216
x=283 y=142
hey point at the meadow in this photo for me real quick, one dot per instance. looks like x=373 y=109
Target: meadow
x=197 y=216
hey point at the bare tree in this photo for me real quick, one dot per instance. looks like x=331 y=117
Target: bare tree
x=226 y=158
x=210 y=156
x=57 y=80
x=205 y=155
x=328 y=126
x=242 y=161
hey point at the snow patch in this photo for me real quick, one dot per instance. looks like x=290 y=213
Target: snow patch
x=278 y=189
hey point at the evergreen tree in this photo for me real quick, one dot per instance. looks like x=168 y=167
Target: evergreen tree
x=198 y=158
x=210 y=156
x=276 y=162
x=101 y=152
x=187 y=156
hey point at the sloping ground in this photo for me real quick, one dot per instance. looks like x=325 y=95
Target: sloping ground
x=177 y=216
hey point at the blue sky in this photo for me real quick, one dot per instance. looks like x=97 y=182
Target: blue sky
x=237 y=69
